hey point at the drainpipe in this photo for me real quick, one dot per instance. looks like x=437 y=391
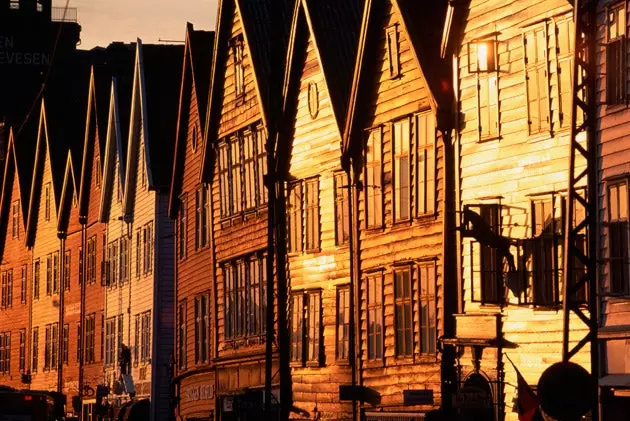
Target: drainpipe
x=62 y=289
x=83 y=221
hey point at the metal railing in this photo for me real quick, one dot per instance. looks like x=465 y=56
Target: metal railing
x=61 y=14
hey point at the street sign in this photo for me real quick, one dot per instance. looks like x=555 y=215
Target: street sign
x=418 y=397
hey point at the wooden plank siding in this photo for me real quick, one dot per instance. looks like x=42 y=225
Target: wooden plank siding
x=411 y=243
x=15 y=317
x=513 y=170
x=315 y=152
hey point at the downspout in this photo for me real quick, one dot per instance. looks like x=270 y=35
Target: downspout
x=81 y=345
x=62 y=289
x=29 y=340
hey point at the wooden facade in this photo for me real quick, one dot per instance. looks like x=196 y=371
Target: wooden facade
x=513 y=89
x=189 y=207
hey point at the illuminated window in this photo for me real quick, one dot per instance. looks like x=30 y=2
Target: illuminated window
x=425 y=163
x=616 y=65
x=373 y=178
x=535 y=45
x=342 y=203
x=343 y=322
x=618 y=237
x=403 y=312
x=482 y=56
x=311 y=214
x=375 y=316
x=306 y=328
x=393 y=55
x=294 y=217
x=402 y=169
x=15 y=4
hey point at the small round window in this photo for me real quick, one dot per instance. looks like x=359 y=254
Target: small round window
x=313 y=100
x=195 y=139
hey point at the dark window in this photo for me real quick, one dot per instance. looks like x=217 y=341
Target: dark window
x=202 y=328
x=239 y=66
x=375 y=316
x=249 y=170
x=90 y=338
x=50 y=351
x=5 y=353
x=224 y=178
x=124 y=259
x=79 y=344
x=297 y=327
x=66 y=270
x=147 y=250
x=393 y=56
x=373 y=179
x=261 y=165
x=22 y=362
x=401 y=148
x=35 y=345
x=342 y=202
x=616 y=68
x=65 y=339
x=110 y=340
x=23 y=284
x=81 y=265
x=145 y=349
x=15 y=219
x=618 y=237
x=306 y=332
x=202 y=216
x=403 y=313
x=313 y=322
x=343 y=323
x=120 y=334
x=182 y=226
x=428 y=318
x=294 y=216
x=36 y=279
x=181 y=335
x=311 y=215
x=535 y=44
x=486 y=266
x=6 y=294
x=91 y=259
x=546 y=251
x=47 y=201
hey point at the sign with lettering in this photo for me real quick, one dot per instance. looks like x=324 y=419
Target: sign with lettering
x=418 y=397
x=472 y=398
x=199 y=393
x=11 y=55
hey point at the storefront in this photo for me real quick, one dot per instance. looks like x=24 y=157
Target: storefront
x=196 y=398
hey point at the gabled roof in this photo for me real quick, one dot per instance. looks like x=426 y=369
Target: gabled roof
x=196 y=71
x=11 y=173
x=69 y=193
x=158 y=75
x=423 y=26
x=260 y=39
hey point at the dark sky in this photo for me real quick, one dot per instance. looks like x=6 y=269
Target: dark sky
x=104 y=21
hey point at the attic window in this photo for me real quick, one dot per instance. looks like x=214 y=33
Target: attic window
x=97 y=173
x=14 y=4
x=393 y=56
x=313 y=100
x=239 y=68
x=47 y=202
x=482 y=56
x=195 y=141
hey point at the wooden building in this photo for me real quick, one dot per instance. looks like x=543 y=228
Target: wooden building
x=189 y=207
x=90 y=326
x=234 y=162
x=15 y=276
x=614 y=171
x=320 y=64
x=513 y=64
x=396 y=154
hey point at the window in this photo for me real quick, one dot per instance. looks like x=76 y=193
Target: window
x=104 y=262
x=202 y=217
x=489 y=269
x=202 y=328
x=91 y=259
x=425 y=124
x=375 y=316
x=373 y=179
x=22 y=361
x=402 y=169
x=249 y=170
x=124 y=259
x=261 y=166
x=393 y=56
x=90 y=338
x=66 y=333
x=403 y=313
x=311 y=211
x=110 y=340
x=112 y=264
x=145 y=337
x=7 y=289
x=36 y=279
x=235 y=175
x=55 y=274
x=66 y=270
x=81 y=266
x=47 y=201
x=120 y=334
x=181 y=335
x=143 y=168
x=147 y=249
x=306 y=327
x=49 y=274
x=15 y=219
x=294 y=216
x=137 y=345
x=245 y=306
x=23 y=284
x=5 y=353
x=97 y=171
x=14 y=4
x=342 y=206
x=618 y=237
x=182 y=226
x=428 y=318
x=50 y=350
x=239 y=66
x=224 y=179
x=343 y=323
x=565 y=51
x=616 y=65
x=194 y=138
x=537 y=78
x=79 y=344
x=35 y=345
x=482 y=61
x=138 y=252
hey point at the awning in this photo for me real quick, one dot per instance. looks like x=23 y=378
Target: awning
x=615 y=380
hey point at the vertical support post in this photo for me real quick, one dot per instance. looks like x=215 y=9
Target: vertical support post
x=81 y=342
x=582 y=165
x=62 y=289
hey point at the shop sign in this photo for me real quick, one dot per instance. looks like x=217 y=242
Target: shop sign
x=199 y=393
x=471 y=398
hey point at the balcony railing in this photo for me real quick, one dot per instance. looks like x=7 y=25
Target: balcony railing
x=70 y=14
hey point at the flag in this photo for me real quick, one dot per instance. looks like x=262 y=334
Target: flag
x=528 y=402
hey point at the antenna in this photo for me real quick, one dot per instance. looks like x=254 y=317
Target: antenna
x=170 y=41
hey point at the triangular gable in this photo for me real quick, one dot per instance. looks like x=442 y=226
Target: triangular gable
x=43 y=157
x=195 y=71
x=94 y=128
x=114 y=150
x=69 y=195
x=11 y=176
x=255 y=18
x=411 y=17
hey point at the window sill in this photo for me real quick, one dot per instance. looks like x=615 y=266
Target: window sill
x=615 y=108
x=374 y=364
x=373 y=230
x=314 y=364
x=296 y=364
x=488 y=139
x=427 y=218
x=342 y=363
x=540 y=136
